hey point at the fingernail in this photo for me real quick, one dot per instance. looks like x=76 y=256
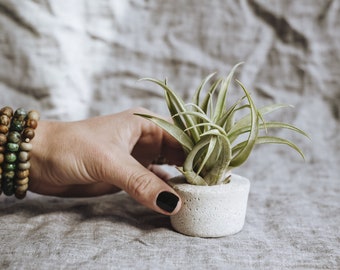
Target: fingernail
x=167 y=201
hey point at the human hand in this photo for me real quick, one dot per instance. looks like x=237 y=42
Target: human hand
x=103 y=155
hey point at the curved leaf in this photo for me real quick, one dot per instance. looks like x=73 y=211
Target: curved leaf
x=207 y=102
x=244 y=153
x=217 y=174
x=269 y=125
x=173 y=130
x=222 y=95
x=196 y=97
x=244 y=121
x=274 y=140
x=176 y=105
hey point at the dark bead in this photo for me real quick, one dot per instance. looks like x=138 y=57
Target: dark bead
x=9 y=167
x=28 y=133
x=14 y=137
x=16 y=125
x=20 y=195
x=20 y=114
x=7 y=186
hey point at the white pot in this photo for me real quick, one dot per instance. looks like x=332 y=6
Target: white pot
x=211 y=211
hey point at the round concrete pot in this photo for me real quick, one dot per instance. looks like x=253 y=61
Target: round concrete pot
x=211 y=211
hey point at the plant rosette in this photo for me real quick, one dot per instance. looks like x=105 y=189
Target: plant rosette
x=211 y=211
x=217 y=135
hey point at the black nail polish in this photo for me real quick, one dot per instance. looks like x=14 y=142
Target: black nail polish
x=167 y=201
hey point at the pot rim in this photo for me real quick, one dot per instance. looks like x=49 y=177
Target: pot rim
x=236 y=181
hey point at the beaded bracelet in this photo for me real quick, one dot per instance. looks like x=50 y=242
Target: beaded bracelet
x=16 y=138
x=6 y=175
x=6 y=114
x=24 y=165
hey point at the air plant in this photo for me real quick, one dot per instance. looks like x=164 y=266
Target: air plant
x=217 y=137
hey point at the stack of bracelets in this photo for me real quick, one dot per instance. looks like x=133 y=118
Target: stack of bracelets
x=16 y=133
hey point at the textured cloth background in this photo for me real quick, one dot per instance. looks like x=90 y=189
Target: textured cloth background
x=79 y=58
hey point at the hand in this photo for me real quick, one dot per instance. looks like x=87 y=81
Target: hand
x=103 y=155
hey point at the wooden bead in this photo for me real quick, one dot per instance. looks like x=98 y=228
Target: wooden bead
x=19 y=195
x=23 y=174
x=3 y=129
x=32 y=123
x=2 y=158
x=4 y=120
x=26 y=146
x=2 y=148
x=22 y=188
x=3 y=139
x=23 y=181
x=24 y=165
x=24 y=156
x=7 y=111
x=33 y=115
x=28 y=133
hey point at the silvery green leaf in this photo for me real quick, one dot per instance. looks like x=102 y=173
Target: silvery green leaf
x=177 y=105
x=196 y=97
x=222 y=95
x=173 y=130
x=274 y=140
x=242 y=155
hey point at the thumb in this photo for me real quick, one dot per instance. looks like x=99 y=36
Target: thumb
x=146 y=188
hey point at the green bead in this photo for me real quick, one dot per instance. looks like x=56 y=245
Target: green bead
x=14 y=137
x=12 y=147
x=9 y=167
x=10 y=157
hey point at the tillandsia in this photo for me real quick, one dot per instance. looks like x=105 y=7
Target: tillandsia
x=213 y=138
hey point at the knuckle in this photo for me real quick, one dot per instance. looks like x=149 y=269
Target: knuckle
x=139 y=186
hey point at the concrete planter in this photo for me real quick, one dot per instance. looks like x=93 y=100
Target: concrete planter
x=211 y=211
